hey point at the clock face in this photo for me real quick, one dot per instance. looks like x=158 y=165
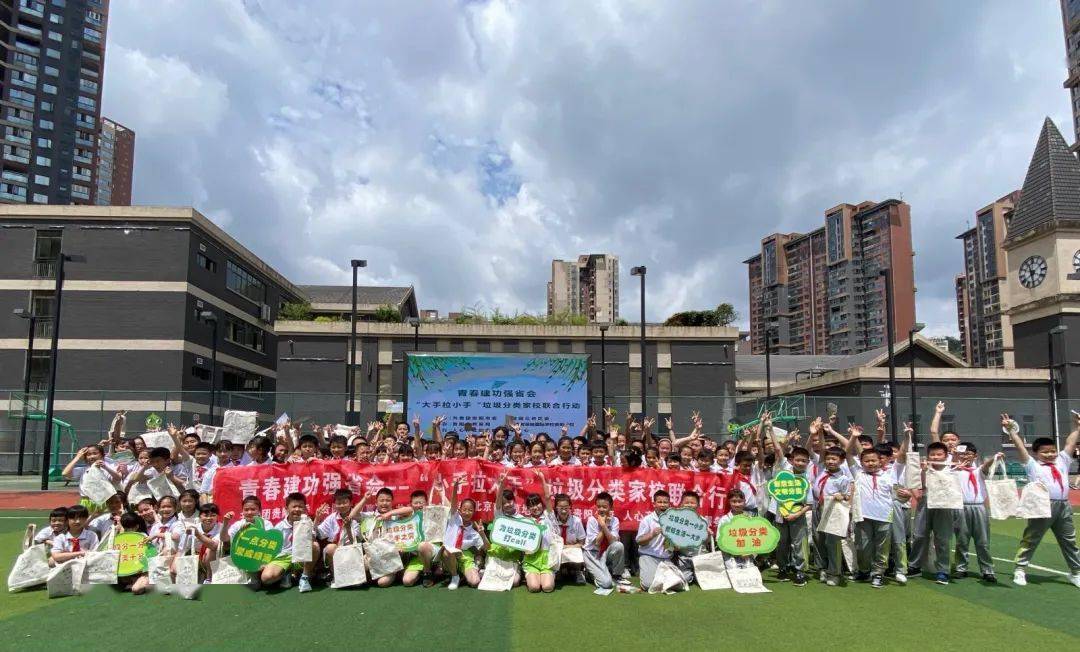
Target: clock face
x=1033 y=271
x=1076 y=262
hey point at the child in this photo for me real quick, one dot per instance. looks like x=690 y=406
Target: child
x=139 y=583
x=572 y=531
x=331 y=529
x=831 y=484
x=537 y=565
x=650 y=540
x=747 y=479
x=102 y=523
x=793 y=534
x=504 y=504
x=282 y=568
x=57 y=526
x=204 y=461
x=901 y=512
x=935 y=524
x=418 y=564
x=95 y=458
x=684 y=557
x=384 y=511
x=463 y=536
x=874 y=491
x=77 y=540
x=973 y=521
x=605 y=556
x=207 y=538
x=1051 y=468
x=159 y=462
x=736 y=501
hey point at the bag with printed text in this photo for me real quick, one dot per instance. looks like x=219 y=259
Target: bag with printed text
x=31 y=567
x=1001 y=492
x=1034 y=501
x=66 y=578
x=710 y=571
x=223 y=571
x=383 y=558
x=96 y=485
x=349 y=564
x=499 y=575
x=303 y=536
x=101 y=564
x=668 y=579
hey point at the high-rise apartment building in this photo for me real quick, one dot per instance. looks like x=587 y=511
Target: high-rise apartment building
x=50 y=99
x=588 y=286
x=822 y=293
x=1070 y=18
x=116 y=161
x=985 y=331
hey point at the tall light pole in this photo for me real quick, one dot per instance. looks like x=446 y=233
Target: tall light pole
x=640 y=271
x=28 y=315
x=350 y=376
x=1056 y=330
x=918 y=326
x=890 y=337
x=603 y=375
x=768 y=364
x=210 y=318
x=54 y=345
x=415 y=323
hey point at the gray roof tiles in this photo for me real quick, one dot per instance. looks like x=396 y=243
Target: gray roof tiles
x=1052 y=185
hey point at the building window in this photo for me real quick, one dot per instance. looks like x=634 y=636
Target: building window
x=41 y=306
x=202 y=373
x=208 y=264
x=44 y=142
x=46 y=251
x=245 y=334
x=45 y=124
x=41 y=180
x=241 y=281
x=39 y=371
x=40 y=198
x=49 y=88
x=237 y=380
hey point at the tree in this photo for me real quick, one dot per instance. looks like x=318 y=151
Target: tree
x=387 y=314
x=723 y=315
x=300 y=311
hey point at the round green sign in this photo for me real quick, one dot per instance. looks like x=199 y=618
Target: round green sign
x=254 y=547
x=747 y=535
x=134 y=553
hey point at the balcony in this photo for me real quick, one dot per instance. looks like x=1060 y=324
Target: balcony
x=32 y=7
x=43 y=327
x=44 y=269
x=15 y=158
x=29 y=29
x=10 y=196
x=83 y=159
x=12 y=138
x=84 y=142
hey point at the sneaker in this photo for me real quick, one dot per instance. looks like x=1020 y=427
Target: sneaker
x=207 y=581
x=862 y=577
x=1075 y=579
x=626 y=574
x=942 y=579
x=304 y=584
x=286 y=582
x=822 y=576
x=454 y=582
x=428 y=580
x=900 y=578
x=623 y=581
x=799 y=580
x=579 y=578
x=989 y=578
x=877 y=581
x=783 y=576
x=831 y=582
x=913 y=571
x=1019 y=577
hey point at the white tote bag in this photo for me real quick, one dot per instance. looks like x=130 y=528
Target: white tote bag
x=161 y=486
x=239 y=426
x=1001 y=492
x=66 y=578
x=746 y=579
x=710 y=571
x=913 y=471
x=159 y=573
x=349 y=566
x=101 y=564
x=96 y=485
x=383 y=558
x=186 y=566
x=223 y=571
x=499 y=575
x=835 y=517
x=943 y=490
x=572 y=555
x=668 y=579
x=1034 y=501
x=855 y=506
x=31 y=567
x=303 y=536
x=434 y=519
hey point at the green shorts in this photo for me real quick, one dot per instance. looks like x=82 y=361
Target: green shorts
x=285 y=563
x=536 y=562
x=92 y=507
x=466 y=560
x=506 y=554
x=412 y=561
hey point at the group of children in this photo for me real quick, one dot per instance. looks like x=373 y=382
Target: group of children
x=890 y=519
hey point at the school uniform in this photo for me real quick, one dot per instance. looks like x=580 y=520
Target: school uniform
x=199 y=473
x=932 y=526
x=874 y=491
x=1055 y=476
x=284 y=556
x=65 y=542
x=572 y=531
x=652 y=553
x=901 y=518
x=793 y=534
x=46 y=535
x=827 y=546
x=331 y=530
x=201 y=550
x=458 y=539
x=603 y=561
x=973 y=522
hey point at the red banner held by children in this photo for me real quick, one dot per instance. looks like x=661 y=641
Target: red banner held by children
x=631 y=489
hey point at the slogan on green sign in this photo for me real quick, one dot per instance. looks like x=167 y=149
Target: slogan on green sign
x=516 y=534
x=747 y=535
x=683 y=528
x=789 y=491
x=254 y=547
x=406 y=533
x=134 y=553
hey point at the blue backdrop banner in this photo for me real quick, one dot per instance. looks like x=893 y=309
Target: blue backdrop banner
x=542 y=392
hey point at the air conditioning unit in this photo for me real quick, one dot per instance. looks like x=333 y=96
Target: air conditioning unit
x=265 y=312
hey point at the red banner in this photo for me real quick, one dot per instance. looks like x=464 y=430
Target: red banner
x=631 y=489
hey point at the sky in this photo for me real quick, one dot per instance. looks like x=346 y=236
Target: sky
x=461 y=146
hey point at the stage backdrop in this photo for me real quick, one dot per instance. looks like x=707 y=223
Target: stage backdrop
x=542 y=391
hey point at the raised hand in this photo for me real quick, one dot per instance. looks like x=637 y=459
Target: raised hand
x=940 y=407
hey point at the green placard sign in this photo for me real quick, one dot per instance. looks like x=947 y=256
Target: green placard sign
x=254 y=547
x=516 y=534
x=134 y=553
x=747 y=535
x=684 y=529
x=789 y=491
x=153 y=422
x=406 y=533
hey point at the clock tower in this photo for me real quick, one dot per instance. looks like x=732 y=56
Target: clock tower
x=1043 y=249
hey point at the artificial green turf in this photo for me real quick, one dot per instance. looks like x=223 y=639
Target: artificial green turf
x=964 y=615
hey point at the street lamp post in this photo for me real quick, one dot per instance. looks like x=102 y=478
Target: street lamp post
x=210 y=318
x=911 y=368
x=640 y=271
x=28 y=315
x=768 y=365
x=890 y=337
x=1056 y=330
x=603 y=374
x=350 y=376
x=415 y=323
x=53 y=347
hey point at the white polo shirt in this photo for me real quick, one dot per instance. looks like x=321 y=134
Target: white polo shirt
x=470 y=538
x=593 y=533
x=1058 y=485
x=655 y=547
x=63 y=542
x=330 y=529
x=875 y=495
x=972 y=485
x=573 y=531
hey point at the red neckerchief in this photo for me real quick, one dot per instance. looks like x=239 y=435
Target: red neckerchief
x=1055 y=474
